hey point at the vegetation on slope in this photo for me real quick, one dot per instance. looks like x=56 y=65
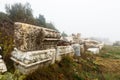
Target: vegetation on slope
x=87 y=67
x=110 y=52
x=6 y=37
x=103 y=66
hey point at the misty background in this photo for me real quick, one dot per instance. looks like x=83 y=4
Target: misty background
x=91 y=18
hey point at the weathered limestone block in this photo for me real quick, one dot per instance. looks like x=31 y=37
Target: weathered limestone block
x=94 y=50
x=3 y=67
x=93 y=44
x=76 y=38
x=29 y=61
x=26 y=36
x=30 y=38
x=76 y=48
x=72 y=39
x=82 y=49
x=101 y=45
x=64 y=50
x=34 y=45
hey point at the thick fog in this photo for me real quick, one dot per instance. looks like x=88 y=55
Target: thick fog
x=91 y=18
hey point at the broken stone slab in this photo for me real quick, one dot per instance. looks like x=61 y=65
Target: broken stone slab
x=76 y=38
x=26 y=69
x=0 y=48
x=72 y=39
x=94 y=50
x=3 y=67
x=67 y=39
x=88 y=43
x=63 y=50
x=76 y=48
x=33 y=56
x=82 y=49
x=0 y=56
x=0 y=52
x=101 y=45
x=26 y=62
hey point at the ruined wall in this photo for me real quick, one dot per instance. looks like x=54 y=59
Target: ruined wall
x=36 y=46
x=30 y=38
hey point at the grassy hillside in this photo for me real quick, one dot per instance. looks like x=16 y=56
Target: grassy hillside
x=111 y=52
x=103 y=66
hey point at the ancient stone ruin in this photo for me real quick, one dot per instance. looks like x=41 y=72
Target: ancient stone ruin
x=75 y=42
x=30 y=38
x=64 y=50
x=93 y=46
x=3 y=67
x=35 y=46
x=27 y=62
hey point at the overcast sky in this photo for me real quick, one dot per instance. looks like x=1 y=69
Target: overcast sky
x=91 y=18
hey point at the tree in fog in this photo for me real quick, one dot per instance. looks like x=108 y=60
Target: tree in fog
x=23 y=13
x=64 y=34
x=20 y=13
x=40 y=21
x=117 y=43
x=50 y=26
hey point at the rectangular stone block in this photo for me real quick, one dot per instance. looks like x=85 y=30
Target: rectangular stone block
x=26 y=62
x=30 y=38
x=63 y=50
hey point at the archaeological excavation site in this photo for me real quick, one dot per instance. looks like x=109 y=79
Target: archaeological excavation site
x=71 y=47
x=35 y=46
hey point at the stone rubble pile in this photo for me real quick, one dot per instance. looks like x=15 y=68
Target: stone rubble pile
x=93 y=46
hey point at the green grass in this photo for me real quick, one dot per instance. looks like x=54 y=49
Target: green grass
x=64 y=70
x=67 y=69
x=110 y=52
x=12 y=76
x=84 y=69
x=112 y=76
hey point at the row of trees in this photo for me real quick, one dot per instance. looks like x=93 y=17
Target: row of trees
x=24 y=13
x=117 y=43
